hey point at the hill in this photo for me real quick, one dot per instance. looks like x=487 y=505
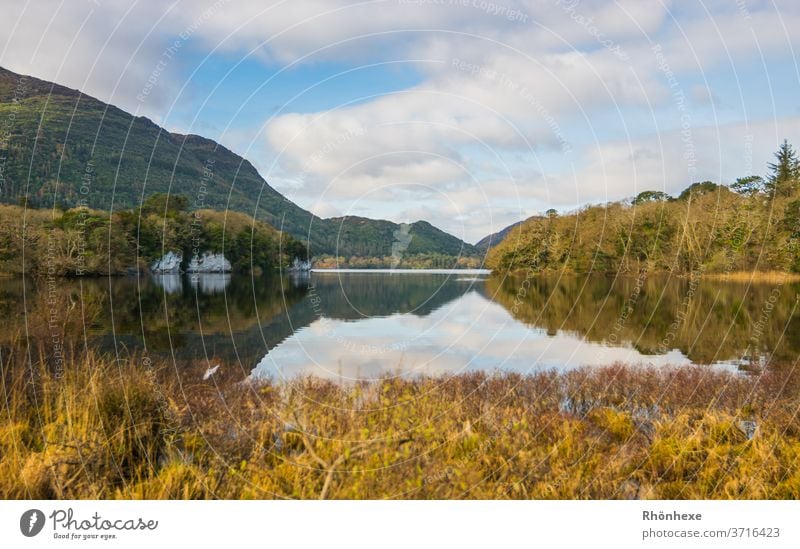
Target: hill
x=708 y=229
x=61 y=147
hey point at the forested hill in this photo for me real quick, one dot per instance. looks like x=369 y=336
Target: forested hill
x=59 y=147
x=753 y=225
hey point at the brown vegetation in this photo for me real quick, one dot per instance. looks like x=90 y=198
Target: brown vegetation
x=100 y=428
x=708 y=230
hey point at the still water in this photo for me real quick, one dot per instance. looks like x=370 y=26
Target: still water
x=359 y=325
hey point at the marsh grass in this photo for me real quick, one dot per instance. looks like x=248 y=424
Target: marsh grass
x=106 y=428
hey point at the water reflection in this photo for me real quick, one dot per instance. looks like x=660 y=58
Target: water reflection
x=426 y=323
x=170 y=283
x=357 y=325
x=210 y=283
x=708 y=321
x=205 y=283
x=468 y=333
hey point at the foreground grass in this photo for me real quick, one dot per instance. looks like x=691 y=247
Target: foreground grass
x=95 y=428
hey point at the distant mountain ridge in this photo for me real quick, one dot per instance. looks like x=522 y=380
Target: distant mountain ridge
x=492 y=240
x=61 y=147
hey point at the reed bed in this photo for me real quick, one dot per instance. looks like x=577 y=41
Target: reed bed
x=130 y=427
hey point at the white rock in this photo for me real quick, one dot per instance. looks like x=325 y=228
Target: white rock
x=170 y=263
x=209 y=263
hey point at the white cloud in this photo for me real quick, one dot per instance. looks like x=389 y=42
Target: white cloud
x=502 y=92
x=669 y=162
x=107 y=49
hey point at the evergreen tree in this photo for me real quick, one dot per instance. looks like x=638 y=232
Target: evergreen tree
x=783 y=176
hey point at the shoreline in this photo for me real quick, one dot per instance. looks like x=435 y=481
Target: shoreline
x=735 y=276
x=756 y=277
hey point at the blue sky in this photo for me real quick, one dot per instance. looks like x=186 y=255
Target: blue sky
x=471 y=114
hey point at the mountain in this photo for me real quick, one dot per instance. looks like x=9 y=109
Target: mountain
x=488 y=242
x=61 y=147
x=368 y=237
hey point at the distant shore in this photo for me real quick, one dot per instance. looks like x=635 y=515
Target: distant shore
x=765 y=277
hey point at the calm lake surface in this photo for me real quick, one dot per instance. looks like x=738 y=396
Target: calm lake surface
x=359 y=325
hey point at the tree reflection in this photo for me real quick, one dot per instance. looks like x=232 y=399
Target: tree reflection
x=707 y=320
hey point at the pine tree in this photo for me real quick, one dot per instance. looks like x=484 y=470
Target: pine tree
x=783 y=176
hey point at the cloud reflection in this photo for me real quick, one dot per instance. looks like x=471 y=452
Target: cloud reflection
x=469 y=333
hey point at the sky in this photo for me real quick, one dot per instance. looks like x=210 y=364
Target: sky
x=470 y=114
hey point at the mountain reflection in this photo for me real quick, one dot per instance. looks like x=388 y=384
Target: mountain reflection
x=470 y=333
x=357 y=325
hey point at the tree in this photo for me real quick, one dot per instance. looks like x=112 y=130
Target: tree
x=294 y=249
x=696 y=189
x=791 y=218
x=650 y=196
x=552 y=212
x=784 y=173
x=749 y=185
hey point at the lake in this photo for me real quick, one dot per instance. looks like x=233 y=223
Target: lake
x=356 y=325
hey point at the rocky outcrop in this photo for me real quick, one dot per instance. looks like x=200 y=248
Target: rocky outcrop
x=209 y=263
x=169 y=264
x=206 y=263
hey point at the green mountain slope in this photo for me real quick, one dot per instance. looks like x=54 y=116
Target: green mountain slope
x=369 y=237
x=61 y=147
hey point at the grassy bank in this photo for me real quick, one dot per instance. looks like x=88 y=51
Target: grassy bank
x=87 y=427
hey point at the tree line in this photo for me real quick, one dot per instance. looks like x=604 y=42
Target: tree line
x=86 y=242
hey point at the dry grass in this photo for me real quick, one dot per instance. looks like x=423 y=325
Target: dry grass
x=121 y=429
x=765 y=277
